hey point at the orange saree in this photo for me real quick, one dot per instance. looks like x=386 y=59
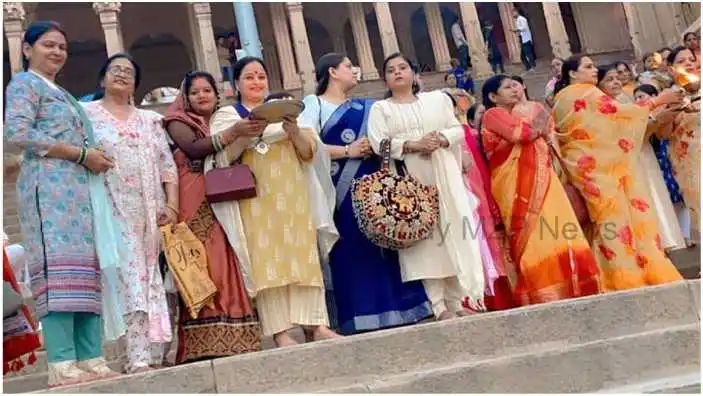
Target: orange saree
x=553 y=259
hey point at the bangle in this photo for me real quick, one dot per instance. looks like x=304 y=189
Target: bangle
x=346 y=151
x=217 y=143
x=82 y=156
x=172 y=207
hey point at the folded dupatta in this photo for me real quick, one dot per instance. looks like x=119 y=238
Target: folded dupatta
x=110 y=247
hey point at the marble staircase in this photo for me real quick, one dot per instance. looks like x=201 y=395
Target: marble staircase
x=645 y=340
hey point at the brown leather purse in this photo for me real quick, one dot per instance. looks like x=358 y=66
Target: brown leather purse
x=232 y=183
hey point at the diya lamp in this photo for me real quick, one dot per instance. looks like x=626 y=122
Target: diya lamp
x=685 y=80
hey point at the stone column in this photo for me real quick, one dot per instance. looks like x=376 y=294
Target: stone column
x=437 y=36
x=363 y=44
x=279 y=22
x=206 y=38
x=306 y=65
x=199 y=54
x=246 y=26
x=512 y=40
x=633 y=27
x=679 y=21
x=389 y=41
x=474 y=35
x=557 y=32
x=109 y=13
x=13 y=18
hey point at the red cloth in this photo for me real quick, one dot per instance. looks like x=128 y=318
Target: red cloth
x=17 y=345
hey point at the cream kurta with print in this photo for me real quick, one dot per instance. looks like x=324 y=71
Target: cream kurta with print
x=277 y=240
x=453 y=251
x=280 y=234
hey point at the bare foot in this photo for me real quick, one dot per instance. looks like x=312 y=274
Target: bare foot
x=465 y=312
x=283 y=339
x=142 y=369
x=324 y=333
x=445 y=316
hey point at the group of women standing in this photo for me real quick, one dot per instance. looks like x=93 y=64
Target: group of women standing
x=294 y=255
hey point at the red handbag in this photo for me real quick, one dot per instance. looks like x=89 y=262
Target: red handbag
x=232 y=183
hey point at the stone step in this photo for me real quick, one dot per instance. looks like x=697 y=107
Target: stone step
x=687 y=383
x=583 y=368
x=492 y=349
x=34 y=377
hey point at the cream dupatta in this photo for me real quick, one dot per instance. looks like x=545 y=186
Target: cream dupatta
x=321 y=188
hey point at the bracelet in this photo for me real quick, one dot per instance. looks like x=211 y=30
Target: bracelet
x=217 y=143
x=82 y=156
x=172 y=207
x=346 y=151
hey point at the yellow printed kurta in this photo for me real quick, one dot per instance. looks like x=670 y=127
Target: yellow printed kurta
x=600 y=141
x=281 y=237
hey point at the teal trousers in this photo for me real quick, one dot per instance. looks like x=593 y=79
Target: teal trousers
x=72 y=336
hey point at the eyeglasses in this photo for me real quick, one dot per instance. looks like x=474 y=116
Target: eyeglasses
x=122 y=71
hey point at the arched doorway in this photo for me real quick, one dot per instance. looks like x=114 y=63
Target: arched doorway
x=80 y=74
x=490 y=12
x=538 y=27
x=319 y=39
x=421 y=40
x=163 y=60
x=567 y=15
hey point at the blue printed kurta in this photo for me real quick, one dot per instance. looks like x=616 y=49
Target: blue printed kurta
x=54 y=200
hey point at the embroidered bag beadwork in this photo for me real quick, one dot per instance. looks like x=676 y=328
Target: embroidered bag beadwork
x=394 y=211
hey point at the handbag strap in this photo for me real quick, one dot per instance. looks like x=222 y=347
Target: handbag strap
x=385 y=154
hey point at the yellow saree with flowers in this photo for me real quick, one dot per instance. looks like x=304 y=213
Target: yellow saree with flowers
x=600 y=142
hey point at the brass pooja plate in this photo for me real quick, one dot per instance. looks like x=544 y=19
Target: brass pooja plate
x=276 y=110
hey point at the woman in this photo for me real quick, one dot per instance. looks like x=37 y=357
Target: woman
x=691 y=42
x=366 y=288
x=144 y=190
x=277 y=231
x=461 y=99
x=425 y=134
x=552 y=257
x=667 y=220
x=555 y=68
x=660 y=145
x=653 y=73
x=233 y=318
x=600 y=142
x=626 y=76
x=522 y=91
x=664 y=52
x=685 y=135
x=56 y=192
x=498 y=267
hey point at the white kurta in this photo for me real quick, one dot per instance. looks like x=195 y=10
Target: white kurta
x=667 y=219
x=452 y=251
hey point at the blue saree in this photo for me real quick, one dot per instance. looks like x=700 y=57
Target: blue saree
x=365 y=286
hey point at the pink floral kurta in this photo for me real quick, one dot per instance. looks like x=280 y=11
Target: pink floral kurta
x=143 y=162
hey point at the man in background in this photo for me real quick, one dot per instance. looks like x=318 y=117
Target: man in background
x=462 y=45
x=527 y=52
